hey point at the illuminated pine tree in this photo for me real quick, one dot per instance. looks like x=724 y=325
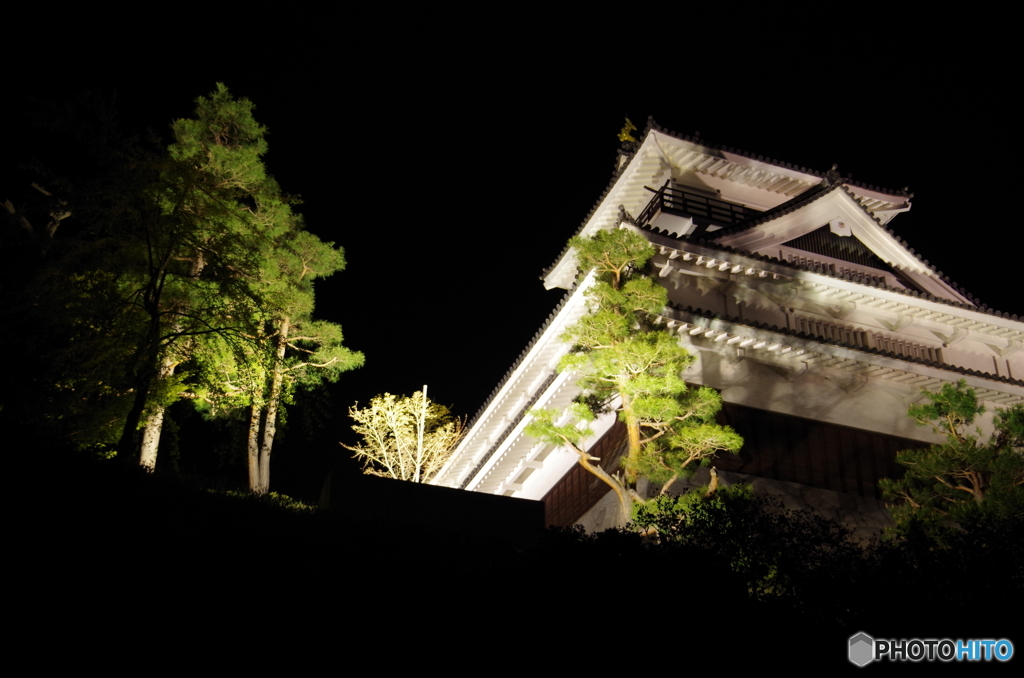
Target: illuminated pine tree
x=967 y=478
x=622 y=355
x=219 y=214
x=299 y=351
x=232 y=294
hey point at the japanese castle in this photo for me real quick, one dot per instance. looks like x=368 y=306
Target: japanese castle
x=818 y=324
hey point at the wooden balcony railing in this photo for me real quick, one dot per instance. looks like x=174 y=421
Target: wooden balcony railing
x=672 y=199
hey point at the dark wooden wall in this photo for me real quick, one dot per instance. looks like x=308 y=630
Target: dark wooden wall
x=579 y=490
x=777 y=446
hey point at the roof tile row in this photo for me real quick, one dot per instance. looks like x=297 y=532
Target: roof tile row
x=976 y=306
x=826 y=340
x=522 y=356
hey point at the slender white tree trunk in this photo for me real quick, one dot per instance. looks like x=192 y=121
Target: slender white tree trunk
x=155 y=423
x=253 y=446
x=260 y=448
x=151 y=440
x=421 y=425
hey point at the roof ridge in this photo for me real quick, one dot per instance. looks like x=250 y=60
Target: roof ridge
x=696 y=139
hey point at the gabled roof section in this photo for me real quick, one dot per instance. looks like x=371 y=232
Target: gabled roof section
x=824 y=242
x=833 y=204
x=754 y=181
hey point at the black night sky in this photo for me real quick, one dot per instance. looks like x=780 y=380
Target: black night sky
x=453 y=163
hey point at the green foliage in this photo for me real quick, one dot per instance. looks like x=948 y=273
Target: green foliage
x=558 y=428
x=621 y=353
x=65 y=311
x=224 y=138
x=950 y=412
x=261 y=246
x=185 y=273
x=272 y=499
x=277 y=344
x=281 y=337
x=779 y=554
x=964 y=479
x=687 y=517
x=693 y=437
x=209 y=219
x=612 y=253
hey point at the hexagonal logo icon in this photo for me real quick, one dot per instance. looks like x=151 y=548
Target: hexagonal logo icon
x=862 y=649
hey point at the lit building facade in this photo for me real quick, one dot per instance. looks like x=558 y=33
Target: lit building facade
x=815 y=321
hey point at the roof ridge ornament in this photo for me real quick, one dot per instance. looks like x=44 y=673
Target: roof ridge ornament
x=832 y=177
x=625 y=217
x=624 y=133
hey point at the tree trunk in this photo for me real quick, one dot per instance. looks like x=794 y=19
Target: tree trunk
x=253 y=446
x=633 y=434
x=127 y=446
x=421 y=425
x=269 y=429
x=155 y=423
x=259 y=468
x=625 y=495
x=151 y=439
x=144 y=362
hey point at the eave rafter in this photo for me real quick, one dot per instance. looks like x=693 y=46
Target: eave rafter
x=818 y=286
x=531 y=379
x=685 y=156
x=765 y=175
x=801 y=353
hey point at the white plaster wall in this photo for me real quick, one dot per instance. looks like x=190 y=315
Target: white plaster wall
x=829 y=395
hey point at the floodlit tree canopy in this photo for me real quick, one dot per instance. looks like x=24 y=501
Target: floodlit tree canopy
x=405 y=437
x=186 y=275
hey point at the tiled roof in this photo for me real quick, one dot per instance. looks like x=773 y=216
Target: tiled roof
x=508 y=428
x=807 y=198
x=522 y=356
x=853 y=347
x=696 y=139
x=628 y=150
x=791 y=205
x=979 y=307
x=832 y=184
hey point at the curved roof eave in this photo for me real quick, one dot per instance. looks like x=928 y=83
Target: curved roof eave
x=506 y=401
x=776 y=265
x=717 y=322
